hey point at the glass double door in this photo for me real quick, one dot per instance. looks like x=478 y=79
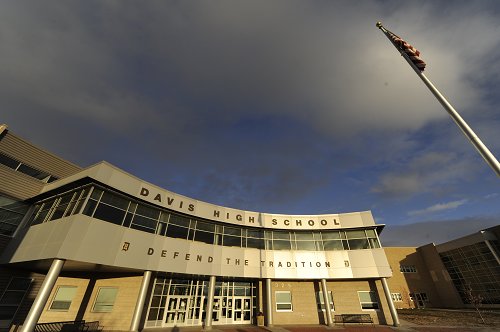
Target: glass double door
x=232 y=310
x=176 y=310
x=182 y=302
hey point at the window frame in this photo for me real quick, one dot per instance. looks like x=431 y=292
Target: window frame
x=281 y=302
x=97 y=298
x=376 y=302
x=54 y=298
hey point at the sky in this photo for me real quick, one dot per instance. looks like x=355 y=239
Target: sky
x=292 y=107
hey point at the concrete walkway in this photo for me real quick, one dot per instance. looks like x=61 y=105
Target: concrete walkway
x=405 y=327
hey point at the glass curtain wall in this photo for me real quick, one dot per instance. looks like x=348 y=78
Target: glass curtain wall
x=121 y=210
x=474 y=271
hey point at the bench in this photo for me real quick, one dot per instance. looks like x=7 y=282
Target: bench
x=92 y=327
x=69 y=326
x=353 y=318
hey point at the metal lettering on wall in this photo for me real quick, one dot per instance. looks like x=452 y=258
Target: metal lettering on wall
x=176 y=255
x=238 y=216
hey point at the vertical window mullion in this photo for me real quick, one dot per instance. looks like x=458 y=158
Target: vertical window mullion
x=69 y=205
x=73 y=210
x=53 y=208
x=87 y=200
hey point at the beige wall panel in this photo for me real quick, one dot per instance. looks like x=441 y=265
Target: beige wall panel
x=346 y=300
x=31 y=155
x=81 y=238
x=118 y=319
x=345 y=297
x=445 y=290
x=405 y=283
x=17 y=184
x=49 y=315
x=304 y=309
x=351 y=220
x=121 y=315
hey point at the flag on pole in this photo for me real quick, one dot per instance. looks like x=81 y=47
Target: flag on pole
x=411 y=51
x=412 y=56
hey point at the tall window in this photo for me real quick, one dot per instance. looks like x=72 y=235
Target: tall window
x=105 y=299
x=320 y=300
x=368 y=300
x=63 y=298
x=11 y=214
x=12 y=298
x=283 y=300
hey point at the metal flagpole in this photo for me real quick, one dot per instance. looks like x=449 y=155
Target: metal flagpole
x=478 y=144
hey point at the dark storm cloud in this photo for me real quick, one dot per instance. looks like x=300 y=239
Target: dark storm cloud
x=168 y=84
x=108 y=61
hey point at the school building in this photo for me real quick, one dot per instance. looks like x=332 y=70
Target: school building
x=99 y=244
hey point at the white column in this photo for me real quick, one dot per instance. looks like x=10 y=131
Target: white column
x=269 y=303
x=387 y=292
x=210 y=304
x=141 y=298
x=326 y=299
x=42 y=296
x=261 y=299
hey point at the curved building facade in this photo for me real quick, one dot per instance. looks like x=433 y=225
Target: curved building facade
x=114 y=248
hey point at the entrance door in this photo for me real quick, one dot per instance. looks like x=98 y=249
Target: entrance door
x=419 y=300
x=176 y=310
x=218 y=310
x=242 y=309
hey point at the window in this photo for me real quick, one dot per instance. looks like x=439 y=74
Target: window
x=105 y=299
x=368 y=300
x=232 y=237
x=320 y=300
x=11 y=215
x=254 y=239
x=12 y=298
x=59 y=207
x=396 y=297
x=28 y=170
x=408 y=268
x=62 y=299
x=204 y=232
x=281 y=240
x=305 y=241
x=283 y=301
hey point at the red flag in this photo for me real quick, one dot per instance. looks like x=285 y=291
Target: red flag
x=411 y=51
